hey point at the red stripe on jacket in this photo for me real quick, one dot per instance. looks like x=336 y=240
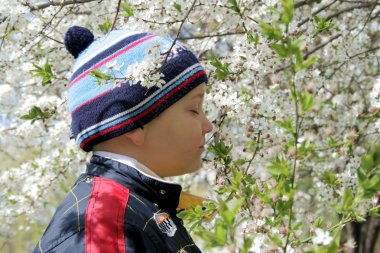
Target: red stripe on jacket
x=104 y=227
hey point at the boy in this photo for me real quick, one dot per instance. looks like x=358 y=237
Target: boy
x=139 y=135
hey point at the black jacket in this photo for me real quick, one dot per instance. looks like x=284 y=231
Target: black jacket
x=115 y=208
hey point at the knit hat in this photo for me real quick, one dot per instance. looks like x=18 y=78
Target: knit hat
x=104 y=109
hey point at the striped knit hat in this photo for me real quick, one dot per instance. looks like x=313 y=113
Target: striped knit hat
x=102 y=112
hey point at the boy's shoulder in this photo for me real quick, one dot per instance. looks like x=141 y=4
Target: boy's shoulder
x=93 y=201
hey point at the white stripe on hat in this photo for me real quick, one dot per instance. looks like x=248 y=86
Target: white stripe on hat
x=138 y=105
x=98 y=46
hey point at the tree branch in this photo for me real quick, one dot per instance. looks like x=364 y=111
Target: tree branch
x=179 y=31
x=361 y=6
x=5 y=35
x=322 y=45
x=57 y=3
x=367 y=20
x=353 y=232
x=211 y=35
x=117 y=13
x=316 y=12
x=349 y=58
x=51 y=38
x=302 y=3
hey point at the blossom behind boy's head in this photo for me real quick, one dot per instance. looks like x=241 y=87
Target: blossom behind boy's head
x=123 y=80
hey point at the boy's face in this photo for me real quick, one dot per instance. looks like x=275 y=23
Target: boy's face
x=174 y=141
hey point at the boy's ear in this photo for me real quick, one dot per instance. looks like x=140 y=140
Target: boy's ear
x=136 y=136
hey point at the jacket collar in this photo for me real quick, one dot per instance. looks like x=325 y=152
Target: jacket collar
x=132 y=174
x=131 y=162
x=165 y=194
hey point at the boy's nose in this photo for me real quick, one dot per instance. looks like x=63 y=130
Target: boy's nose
x=207 y=125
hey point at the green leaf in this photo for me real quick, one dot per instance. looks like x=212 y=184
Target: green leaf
x=334 y=246
x=276 y=239
x=286 y=124
x=228 y=212
x=309 y=61
x=347 y=200
x=222 y=70
x=362 y=177
x=128 y=10
x=306 y=100
x=272 y=33
x=237 y=176
x=234 y=6
x=215 y=238
x=322 y=24
x=374 y=183
x=248 y=241
x=220 y=232
x=101 y=77
x=375 y=151
x=221 y=151
x=299 y=61
x=178 y=7
x=330 y=178
x=288 y=9
x=36 y=113
x=45 y=72
x=105 y=27
x=252 y=38
x=331 y=141
x=280 y=49
x=367 y=162
x=279 y=167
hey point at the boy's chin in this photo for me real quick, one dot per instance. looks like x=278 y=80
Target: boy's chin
x=187 y=170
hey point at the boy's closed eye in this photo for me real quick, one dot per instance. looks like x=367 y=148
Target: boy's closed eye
x=195 y=111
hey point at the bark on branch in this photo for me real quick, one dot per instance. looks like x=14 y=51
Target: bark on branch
x=211 y=35
x=372 y=234
x=316 y=12
x=57 y=3
x=348 y=9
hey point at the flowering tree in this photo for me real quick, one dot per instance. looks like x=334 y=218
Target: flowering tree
x=294 y=160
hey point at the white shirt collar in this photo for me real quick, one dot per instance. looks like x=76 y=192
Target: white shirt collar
x=132 y=162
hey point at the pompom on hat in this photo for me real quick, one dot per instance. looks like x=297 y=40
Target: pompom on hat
x=103 y=112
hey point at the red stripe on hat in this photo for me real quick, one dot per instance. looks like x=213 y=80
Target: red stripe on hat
x=94 y=98
x=160 y=101
x=110 y=58
x=104 y=227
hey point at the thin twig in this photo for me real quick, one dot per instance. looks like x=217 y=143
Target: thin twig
x=161 y=23
x=293 y=176
x=179 y=31
x=322 y=45
x=302 y=3
x=367 y=5
x=55 y=26
x=367 y=21
x=211 y=35
x=57 y=3
x=316 y=12
x=350 y=58
x=5 y=35
x=311 y=52
x=117 y=13
x=254 y=153
x=49 y=23
x=47 y=36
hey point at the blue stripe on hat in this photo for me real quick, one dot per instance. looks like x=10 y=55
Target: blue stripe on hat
x=98 y=46
x=139 y=110
x=89 y=89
